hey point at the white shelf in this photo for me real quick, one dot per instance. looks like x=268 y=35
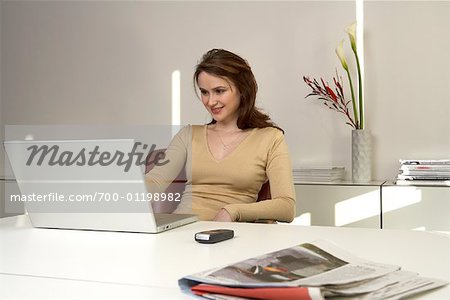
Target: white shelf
x=378 y=204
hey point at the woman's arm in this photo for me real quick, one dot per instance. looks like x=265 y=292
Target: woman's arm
x=281 y=207
x=174 y=160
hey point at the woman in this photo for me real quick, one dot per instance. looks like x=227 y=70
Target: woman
x=228 y=160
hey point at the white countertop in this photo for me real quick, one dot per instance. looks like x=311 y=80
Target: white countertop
x=120 y=264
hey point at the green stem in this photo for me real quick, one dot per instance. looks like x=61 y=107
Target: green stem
x=355 y=115
x=360 y=92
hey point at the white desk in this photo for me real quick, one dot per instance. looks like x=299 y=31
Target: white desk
x=15 y=287
x=139 y=265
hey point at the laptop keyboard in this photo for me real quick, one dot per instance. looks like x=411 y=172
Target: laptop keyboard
x=167 y=218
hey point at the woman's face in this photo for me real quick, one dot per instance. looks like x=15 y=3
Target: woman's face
x=220 y=97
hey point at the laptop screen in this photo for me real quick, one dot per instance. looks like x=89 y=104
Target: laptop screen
x=88 y=176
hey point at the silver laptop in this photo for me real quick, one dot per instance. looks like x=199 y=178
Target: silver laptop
x=88 y=184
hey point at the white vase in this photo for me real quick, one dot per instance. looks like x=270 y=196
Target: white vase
x=361 y=155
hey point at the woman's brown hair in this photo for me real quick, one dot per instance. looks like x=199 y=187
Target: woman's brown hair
x=225 y=64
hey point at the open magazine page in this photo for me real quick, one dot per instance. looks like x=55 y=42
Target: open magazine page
x=311 y=264
x=319 y=264
x=367 y=286
x=406 y=288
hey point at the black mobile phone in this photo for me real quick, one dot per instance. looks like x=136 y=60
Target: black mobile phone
x=214 y=236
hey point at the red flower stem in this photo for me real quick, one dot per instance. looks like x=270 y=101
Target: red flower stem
x=355 y=115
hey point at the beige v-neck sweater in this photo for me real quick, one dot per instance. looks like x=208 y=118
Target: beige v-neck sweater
x=233 y=182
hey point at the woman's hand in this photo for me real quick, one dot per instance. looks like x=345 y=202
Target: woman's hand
x=223 y=216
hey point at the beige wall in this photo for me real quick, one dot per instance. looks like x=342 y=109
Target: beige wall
x=111 y=62
x=408 y=80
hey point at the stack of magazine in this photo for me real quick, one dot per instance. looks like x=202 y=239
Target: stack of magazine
x=307 y=271
x=424 y=172
x=318 y=174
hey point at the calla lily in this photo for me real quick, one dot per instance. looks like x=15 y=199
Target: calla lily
x=336 y=101
x=341 y=55
x=351 y=30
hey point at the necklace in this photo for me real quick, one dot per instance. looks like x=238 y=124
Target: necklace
x=226 y=146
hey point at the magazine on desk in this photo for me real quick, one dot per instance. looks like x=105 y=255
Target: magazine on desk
x=423 y=169
x=307 y=271
x=424 y=172
x=425 y=161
